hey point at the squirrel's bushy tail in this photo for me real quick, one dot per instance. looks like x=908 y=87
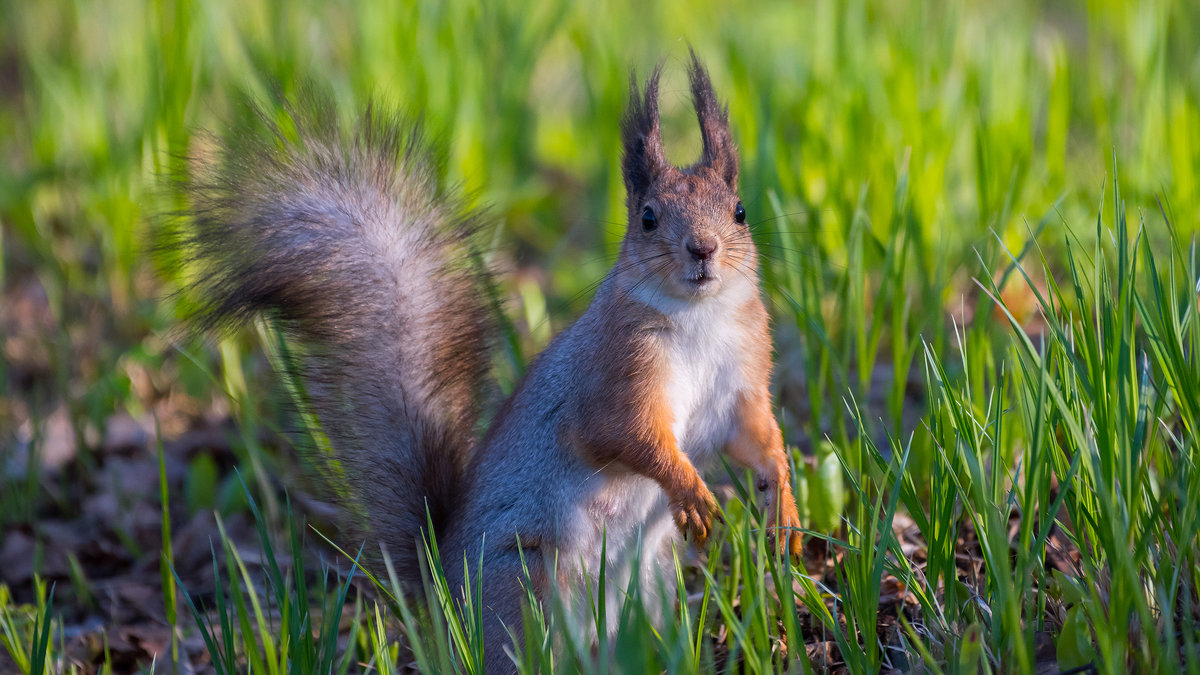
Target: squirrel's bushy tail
x=348 y=243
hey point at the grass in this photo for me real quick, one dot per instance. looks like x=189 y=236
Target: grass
x=978 y=225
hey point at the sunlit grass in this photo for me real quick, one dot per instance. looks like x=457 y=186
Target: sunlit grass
x=935 y=192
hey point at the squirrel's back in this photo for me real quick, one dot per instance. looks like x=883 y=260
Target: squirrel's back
x=594 y=463
x=349 y=242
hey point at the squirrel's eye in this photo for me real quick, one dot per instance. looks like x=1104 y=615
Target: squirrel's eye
x=739 y=213
x=649 y=222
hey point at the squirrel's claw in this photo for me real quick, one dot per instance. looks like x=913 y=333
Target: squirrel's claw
x=693 y=513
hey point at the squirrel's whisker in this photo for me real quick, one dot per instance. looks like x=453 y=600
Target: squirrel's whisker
x=369 y=267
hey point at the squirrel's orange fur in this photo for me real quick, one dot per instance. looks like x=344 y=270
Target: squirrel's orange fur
x=364 y=262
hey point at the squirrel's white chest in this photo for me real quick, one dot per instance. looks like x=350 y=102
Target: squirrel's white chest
x=705 y=377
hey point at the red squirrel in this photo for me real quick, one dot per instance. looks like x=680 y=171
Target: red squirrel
x=348 y=243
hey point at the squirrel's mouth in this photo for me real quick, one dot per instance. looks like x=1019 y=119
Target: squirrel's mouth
x=701 y=277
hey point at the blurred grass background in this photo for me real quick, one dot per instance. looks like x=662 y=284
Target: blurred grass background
x=888 y=148
x=991 y=112
x=988 y=113
x=858 y=122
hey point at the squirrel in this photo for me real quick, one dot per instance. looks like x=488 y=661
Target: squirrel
x=348 y=242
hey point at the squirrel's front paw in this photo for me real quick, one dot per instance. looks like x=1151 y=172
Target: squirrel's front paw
x=693 y=511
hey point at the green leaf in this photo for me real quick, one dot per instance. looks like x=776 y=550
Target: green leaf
x=1074 y=647
x=826 y=492
x=1068 y=589
x=200 y=484
x=972 y=657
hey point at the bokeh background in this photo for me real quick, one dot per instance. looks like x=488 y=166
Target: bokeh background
x=891 y=152
x=975 y=117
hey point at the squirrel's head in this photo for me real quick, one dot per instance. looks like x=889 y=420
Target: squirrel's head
x=687 y=231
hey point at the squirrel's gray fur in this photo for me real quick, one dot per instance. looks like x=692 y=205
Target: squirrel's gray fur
x=348 y=241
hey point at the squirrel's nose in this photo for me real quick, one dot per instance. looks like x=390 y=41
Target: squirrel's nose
x=702 y=249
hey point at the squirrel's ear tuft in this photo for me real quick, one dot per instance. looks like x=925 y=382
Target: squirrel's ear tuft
x=642 y=160
x=719 y=151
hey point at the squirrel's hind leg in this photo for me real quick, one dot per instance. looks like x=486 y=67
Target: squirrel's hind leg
x=505 y=588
